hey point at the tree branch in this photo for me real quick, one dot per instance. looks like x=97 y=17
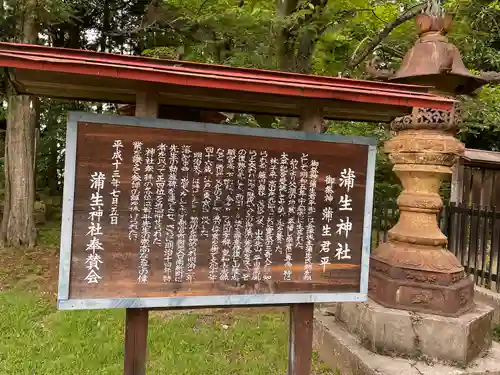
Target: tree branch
x=201 y=7
x=150 y=17
x=384 y=33
x=376 y=16
x=341 y=14
x=391 y=50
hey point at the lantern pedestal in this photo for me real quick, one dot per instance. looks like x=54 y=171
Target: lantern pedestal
x=413 y=270
x=369 y=339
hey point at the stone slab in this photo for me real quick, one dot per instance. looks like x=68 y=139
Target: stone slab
x=342 y=351
x=490 y=298
x=415 y=335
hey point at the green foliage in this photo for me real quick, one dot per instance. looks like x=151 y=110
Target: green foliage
x=50 y=160
x=481 y=128
x=48 y=12
x=221 y=32
x=476 y=32
x=496 y=333
x=353 y=24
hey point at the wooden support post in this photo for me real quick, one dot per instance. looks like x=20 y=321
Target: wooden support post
x=300 y=344
x=136 y=340
x=311 y=119
x=136 y=323
x=146 y=104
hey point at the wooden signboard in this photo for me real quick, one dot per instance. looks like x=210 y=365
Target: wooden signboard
x=163 y=213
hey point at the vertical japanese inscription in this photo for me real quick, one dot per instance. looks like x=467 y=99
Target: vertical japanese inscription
x=239 y=202
x=311 y=224
x=281 y=210
x=207 y=198
x=147 y=216
x=182 y=223
x=222 y=229
x=117 y=159
x=250 y=213
x=259 y=241
x=271 y=214
x=135 y=192
x=301 y=242
x=344 y=227
x=171 y=213
x=290 y=224
x=327 y=216
x=159 y=208
x=194 y=220
x=209 y=208
x=95 y=246
x=227 y=216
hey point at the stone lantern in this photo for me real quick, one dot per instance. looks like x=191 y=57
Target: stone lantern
x=413 y=270
x=421 y=306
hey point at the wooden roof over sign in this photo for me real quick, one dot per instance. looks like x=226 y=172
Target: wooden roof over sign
x=95 y=76
x=481 y=158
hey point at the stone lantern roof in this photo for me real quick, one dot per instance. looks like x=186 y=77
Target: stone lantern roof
x=435 y=61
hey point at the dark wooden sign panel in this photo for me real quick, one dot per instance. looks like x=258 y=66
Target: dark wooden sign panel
x=170 y=213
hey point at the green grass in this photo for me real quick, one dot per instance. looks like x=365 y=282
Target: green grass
x=49 y=235
x=496 y=333
x=36 y=339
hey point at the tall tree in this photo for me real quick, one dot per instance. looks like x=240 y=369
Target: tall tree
x=18 y=225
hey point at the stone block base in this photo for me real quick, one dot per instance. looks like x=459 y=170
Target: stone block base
x=341 y=350
x=413 y=335
x=490 y=298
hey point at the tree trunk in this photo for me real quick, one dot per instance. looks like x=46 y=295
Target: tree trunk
x=105 y=26
x=295 y=49
x=304 y=53
x=18 y=225
x=286 y=41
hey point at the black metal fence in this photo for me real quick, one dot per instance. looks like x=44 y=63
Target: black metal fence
x=473 y=236
x=384 y=215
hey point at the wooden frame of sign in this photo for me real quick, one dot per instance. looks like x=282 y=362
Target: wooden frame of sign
x=173 y=214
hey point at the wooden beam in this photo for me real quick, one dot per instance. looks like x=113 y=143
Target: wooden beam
x=63 y=85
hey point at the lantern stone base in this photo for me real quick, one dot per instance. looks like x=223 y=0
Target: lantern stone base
x=427 y=279
x=367 y=337
x=341 y=350
x=447 y=300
